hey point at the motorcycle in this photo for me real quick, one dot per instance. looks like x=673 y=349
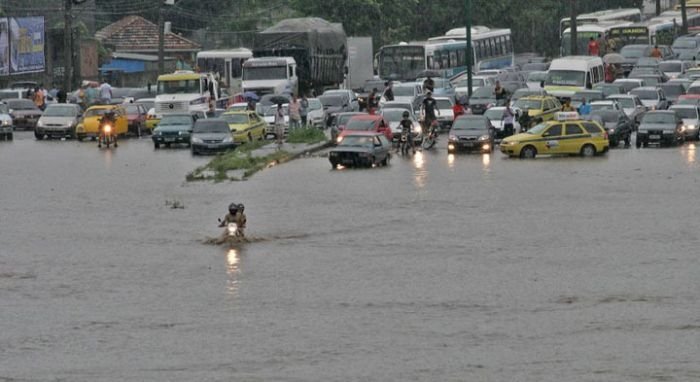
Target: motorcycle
x=232 y=234
x=430 y=140
x=107 y=135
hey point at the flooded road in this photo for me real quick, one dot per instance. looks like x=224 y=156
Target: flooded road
x=436 y=268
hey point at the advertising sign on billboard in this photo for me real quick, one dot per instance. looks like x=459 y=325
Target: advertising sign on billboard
x=4 y=47
x=27 y=40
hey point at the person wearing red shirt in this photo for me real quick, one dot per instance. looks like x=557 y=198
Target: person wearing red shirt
x=457 y=109
x=593 y=47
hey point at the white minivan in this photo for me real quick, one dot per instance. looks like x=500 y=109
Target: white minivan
x=570 y=74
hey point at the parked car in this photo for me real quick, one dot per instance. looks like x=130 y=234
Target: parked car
x=349 y=98
x=471 y=133
x=406 y=92
x=660 y=127
x=606 y=104
x=690 y=115
x=675 y=68
x=536 y=109
x=246 y=126
x=672 y=91
x=211 y=136
x=366 y=90
x=495 y=115
x=366 y=122
x=688 y=99
x=650 y=79
x=174 y=129
x=361 y=149
x=629 y=84
x=446 y=114
x=686 y=82
x=136 y=115
x=609 y=89
x=58 y=120
x=89 y=125
x=316 y=115
x=338 y=121
x=24 y=113
x=653 y=98
x=335 y=104
x=6 y=128
x=402 y=105
x=616 y=123
x=482 y=99
x=631 y=105
x=462 y=86
x=269 y=119
x=394 y=117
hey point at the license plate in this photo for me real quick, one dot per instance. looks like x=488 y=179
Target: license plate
x=169 y=139
x=654 y=137
x=212 y=146
x=468 y=144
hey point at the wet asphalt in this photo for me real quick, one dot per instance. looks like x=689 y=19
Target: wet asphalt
x=435 y=268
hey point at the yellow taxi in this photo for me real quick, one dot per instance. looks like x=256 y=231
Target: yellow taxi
x=538 y=107
x=246 y=125
x=567 y=134
x=89 y=125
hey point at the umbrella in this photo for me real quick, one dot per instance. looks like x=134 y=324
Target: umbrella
x=251 y=96
x=279 y=99
x=613 y=58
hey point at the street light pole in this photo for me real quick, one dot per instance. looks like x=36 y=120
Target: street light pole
x=68 y=45
x=684 y=16
x=469 y=55
x=574 y=29
x=161 y=38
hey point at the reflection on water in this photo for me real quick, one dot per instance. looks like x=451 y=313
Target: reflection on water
x=486 y=161
x=421 y=173
x=450 y=161
x=232 y=261
x=690 y=153
x=418 y=160
x=108 y=158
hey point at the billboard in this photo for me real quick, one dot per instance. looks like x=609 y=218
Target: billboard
x=27 y=40
x=4 y=47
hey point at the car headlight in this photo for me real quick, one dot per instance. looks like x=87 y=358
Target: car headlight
x=340 y=139
x=611 y=130
x=513 y=143
x=197 y=140
x=157 y=132
x=40 y=124
x=6 y=122
x=228 y=139
x=452 y=137
x=690 y=127
x=484 y=138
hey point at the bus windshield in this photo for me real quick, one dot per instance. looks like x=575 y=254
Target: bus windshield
x=178 y=87
x=265 y=73
x=565 y=78
x=401 y=62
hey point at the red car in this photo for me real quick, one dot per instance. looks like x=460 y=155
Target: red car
x=136 y=115
x=367 y=122
x=688 y=99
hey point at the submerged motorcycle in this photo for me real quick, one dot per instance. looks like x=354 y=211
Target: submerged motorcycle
x=232 y=234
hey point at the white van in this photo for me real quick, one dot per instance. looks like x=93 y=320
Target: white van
x=569 y=74
x=270 y=75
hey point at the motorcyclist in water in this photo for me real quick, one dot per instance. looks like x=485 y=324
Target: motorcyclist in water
x=111 y=119
x=235 y=215
x=406 y=130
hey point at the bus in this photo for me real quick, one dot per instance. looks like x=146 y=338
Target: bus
x=623 y=14
x=227 y=64
x=584 y=34
x=652 y=32
x=402 y=61
x=491 y=49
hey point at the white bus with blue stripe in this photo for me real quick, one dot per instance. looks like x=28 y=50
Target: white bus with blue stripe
x=491 y=49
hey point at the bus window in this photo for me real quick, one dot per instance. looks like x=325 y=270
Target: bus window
x=453 y=59
x=460 y=58
x=509 y=45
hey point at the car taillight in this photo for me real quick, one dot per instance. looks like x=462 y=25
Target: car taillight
x=605 y=134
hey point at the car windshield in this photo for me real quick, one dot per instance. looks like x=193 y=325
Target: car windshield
x=343 y=119
x=632 y=51
x=21 y=104
x=688 y=101
x=684 y=44
x=687 y=54
x=372 y=84
x=607 y=115
x=483 y=93
x=331 y=101
x=360 y=124
x=356 y=141
x=536 y=76
x=60 y=111
x=538 y=129
x=527 y=104
x=602 y=106
x=686 y=112
x=393 y=114
x=235 y=118
x=148 y=105
x=132 y=109
x=626 y=103
x=178 y=120
x=209 y=127
x=494 y=114
x=644 y=62
x=96 y=112
x=404 y=91
x=672 y=90
x=659 y=118
x=588 y=96
x=443 y=104
x=315 y=104
x=645 y=94
x=673 y=67
x=476 y=82
x=470 y=123
x=565 y=78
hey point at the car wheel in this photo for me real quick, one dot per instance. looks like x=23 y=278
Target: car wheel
x=38 y=136
x=250 y=137
x=528 y=152
x=614 y=143
x=385 y=162
x=638 y=144
x=167 y=145
x=334 y=165
x=10 y=137
x=156 y=145
x=80 y=137
x=588 y=151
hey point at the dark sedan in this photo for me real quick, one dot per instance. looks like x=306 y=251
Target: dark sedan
x=173 y=129
x=471 y=133
x=361 y=149
x=660 y=127
x=24 y=113
x=616 y=123
x=482 y=99
x=211 y=136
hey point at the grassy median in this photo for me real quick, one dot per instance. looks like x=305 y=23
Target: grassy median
x=308 y=135
x=239 y=159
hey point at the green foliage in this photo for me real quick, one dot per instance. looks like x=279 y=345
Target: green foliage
x=308 y=135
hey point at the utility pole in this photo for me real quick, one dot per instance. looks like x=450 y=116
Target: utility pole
x=68 y=46
x=658 y=7
x=469 y=55
x=684 y=16
x=574 y=30
x=161 y=37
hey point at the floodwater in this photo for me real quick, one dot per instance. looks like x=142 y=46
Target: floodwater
x=436 y=268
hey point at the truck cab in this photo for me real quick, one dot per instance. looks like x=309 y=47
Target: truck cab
x=186 y=92
x=270 y=75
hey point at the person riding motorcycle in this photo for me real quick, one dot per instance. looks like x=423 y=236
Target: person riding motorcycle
x=108 y=118
x=406 y=130
x=235 y=215
x=429 y=108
